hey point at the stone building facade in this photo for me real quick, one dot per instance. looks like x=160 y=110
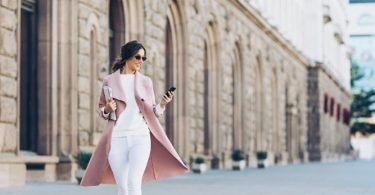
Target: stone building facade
x=244 y=79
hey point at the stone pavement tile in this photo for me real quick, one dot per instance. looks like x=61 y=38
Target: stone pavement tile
x=343 y=178
x=58 y=188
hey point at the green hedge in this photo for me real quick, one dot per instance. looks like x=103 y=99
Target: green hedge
x=238 y=155
x=199 y=160
x=261 y=155
x=83 y=159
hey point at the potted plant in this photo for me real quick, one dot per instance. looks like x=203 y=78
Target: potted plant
x=215 y=162
x=262 y=159
x=199 y=165
x=238 y=158
x=82 y=160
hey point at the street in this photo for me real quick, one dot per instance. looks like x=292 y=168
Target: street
x=341 y=178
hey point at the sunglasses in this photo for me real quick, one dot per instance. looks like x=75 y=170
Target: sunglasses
x=138 y=57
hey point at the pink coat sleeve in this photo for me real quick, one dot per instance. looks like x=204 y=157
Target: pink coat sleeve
x=151 y=87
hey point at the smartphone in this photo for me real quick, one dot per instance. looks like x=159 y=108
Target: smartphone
x=173 y=88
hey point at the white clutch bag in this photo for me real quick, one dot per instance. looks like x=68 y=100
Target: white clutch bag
x=108 y=96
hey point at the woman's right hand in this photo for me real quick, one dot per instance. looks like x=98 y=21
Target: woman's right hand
x=110 y=106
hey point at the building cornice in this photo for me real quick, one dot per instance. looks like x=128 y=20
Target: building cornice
x=276 y=36
x=264 y=26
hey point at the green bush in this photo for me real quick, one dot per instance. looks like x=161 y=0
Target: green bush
x=261 y=155
x=199 y=160
x=83 y=159
x=238 y=155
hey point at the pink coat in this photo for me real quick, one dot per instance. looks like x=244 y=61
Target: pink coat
x=163 y=162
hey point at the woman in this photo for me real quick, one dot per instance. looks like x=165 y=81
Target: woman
x=134 y=147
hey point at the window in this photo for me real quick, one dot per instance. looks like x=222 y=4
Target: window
x=332 y=109
x=326 y=103
x=28 y=73
x=346 y=116
x=116 y=29
x=338 y=112
x=365 y=20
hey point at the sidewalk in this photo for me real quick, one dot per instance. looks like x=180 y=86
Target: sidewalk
x=343 y=178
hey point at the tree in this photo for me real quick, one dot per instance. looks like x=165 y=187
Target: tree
x=355 y=73
x=362 y=103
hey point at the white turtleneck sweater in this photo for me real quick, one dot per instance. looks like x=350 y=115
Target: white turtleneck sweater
x=131 y=121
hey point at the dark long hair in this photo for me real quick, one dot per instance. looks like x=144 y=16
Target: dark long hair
x=127 y=51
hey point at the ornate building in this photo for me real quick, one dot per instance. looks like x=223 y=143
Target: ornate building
x=255 y=75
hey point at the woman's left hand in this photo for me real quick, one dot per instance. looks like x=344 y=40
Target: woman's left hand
x=167 y=98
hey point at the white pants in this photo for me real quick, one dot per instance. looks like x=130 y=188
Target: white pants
x=128 y=158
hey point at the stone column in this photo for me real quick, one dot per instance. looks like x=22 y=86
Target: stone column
x=46 y=85
x=66 y=64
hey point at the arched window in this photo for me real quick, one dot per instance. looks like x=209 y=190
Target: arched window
x=237 y=99
x=288 y=120
x=259 y=103
x=116 y=29
x=170 y=69
x=175 y=74
x=211 y=108
x=275 y=112
x=365 y=20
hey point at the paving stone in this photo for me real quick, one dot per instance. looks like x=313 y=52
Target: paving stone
x=342 y=178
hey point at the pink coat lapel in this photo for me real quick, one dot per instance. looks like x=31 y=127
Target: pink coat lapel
x=114 y=81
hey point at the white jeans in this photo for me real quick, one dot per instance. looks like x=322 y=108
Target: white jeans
x=128 y=159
